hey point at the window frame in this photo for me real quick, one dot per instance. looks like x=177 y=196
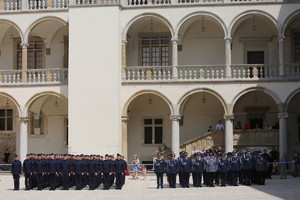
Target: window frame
x=6 y=117
x=153 y=125
x=161 y=45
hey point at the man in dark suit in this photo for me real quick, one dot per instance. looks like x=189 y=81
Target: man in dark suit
x=16 y=170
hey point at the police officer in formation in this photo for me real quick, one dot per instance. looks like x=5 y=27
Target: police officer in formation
x=54 y=171
x=216 y=168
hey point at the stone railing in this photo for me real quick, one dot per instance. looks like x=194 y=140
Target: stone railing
x=47 y=75
x=148 y=73
x=215 y=138
x=34 y=76
x=201 y=72
x=292 y=70
x=254 y=71
x=255 y=138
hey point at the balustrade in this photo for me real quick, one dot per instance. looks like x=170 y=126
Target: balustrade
x=11 y=77
x=11 y=5
x=292 y=70
x=254 y=71
x=148 y=73
x=201 y=72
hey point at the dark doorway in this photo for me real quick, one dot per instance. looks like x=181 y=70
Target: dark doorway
x=256 y=121
x=256 y=57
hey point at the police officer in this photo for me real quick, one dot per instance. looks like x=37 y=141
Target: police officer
x=181 y=156
x=16 y=170
x=159 y=169
x=235 y=166
x=261 y=169
x=186 y=167
x=247 y=167
x=40 y=171
x=120 y=168
x=107 y=171
x=211 y=169
x=52 y=169
x=198 y=169
x=172 y=170
x=223 y=169
x=27 y=170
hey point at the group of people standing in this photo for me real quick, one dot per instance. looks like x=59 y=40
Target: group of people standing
x=53 y=171
x=214 y=166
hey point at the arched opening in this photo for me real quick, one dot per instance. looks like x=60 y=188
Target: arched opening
x=201 y=40
x=48 y=125
x=8 y=35
x=254 y=39
x=48 y=41
x=149 y=125
x=199 y=110
x=293 y=124
x=9 y=128
x=149 y=42
x=256 y=121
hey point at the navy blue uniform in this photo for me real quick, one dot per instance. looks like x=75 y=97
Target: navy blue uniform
x=27 y=169
x=198 y=169
x=261 y=169
x=235 y=166
x=107 y=170
x=159 y=169
x=52 y=170
x=16 y=170
x=172 y=170
x=120 y=167
x=92 y=170
x=40 y=172
x=185 y=166
x=223 y=170
x=247 y=168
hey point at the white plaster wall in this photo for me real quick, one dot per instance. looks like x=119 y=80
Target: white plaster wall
x=94 y=84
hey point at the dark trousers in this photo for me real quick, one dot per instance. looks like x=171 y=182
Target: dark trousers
x=234 y=176
x=247 y=176
x=172 y=180
x=52 y=178
x=16 y=178
x=27 y=181
x=65 y=181
x=223 y=178
x=123 y=178
x=106 y=180
x=261 y=177
x=39 y=178
x=160 y=179
x=180 y=178
x=216 y=177
x=78 y=179
x=111 y=179
x=119 y=180
x=197 y=179
x=185 y=179
x=210 y=178
x=92 y=181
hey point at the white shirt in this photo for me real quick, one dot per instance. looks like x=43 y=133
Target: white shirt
x=219 y=127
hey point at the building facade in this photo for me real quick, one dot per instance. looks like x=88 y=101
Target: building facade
x=109 y=76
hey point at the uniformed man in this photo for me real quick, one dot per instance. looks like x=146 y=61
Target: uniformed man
x=159 y=169
x=124 y=174
x=120 y=168
x=235 y=166
x=223 y=169
x=181 y=156
x=27 y=170
x=172 y=170
x=107 y=171
x=211 y=168
x=16 y=171
x=261 y=169
x=198 y=169
x=247 y=167
x=52 y=169
x=40 y=171
x=186 y=167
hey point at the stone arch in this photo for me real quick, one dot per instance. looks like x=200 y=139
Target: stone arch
x=189 y=93
x=252 y=89
x=291 y=96
x=137 y=94
x=251 y=12
x=288 y=20
x=143 y=15
x=36 y=96
x=15 y=26
x=200 y=13
x=40 y=20
x=13 y=100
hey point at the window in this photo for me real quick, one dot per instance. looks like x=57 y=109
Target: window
x=155 y=50
x=297 y=46
x=256 y=57
x=153 y=131
x=6 y=119
x=38 y=124
x=35 y=52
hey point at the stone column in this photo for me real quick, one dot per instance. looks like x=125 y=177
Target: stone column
x=24 y=61
x=282 y=133
x=23 y=137
x=281 y=55
x=228 y=132
x=124 y=43
x=174 y=58
x=124 y=137
x=175 y=134
x=228 y=56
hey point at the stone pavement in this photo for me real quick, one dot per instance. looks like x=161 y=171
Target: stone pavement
x=139 y=190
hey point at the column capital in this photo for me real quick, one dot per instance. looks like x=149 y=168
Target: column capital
x=283 y=115
x=24 y=45
x=228 y=116
x=125 y=118
x=24 y=120
x=124 y=42
x=174 y=40
x=175 y=117
x=228 y=39
x=281 y=38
